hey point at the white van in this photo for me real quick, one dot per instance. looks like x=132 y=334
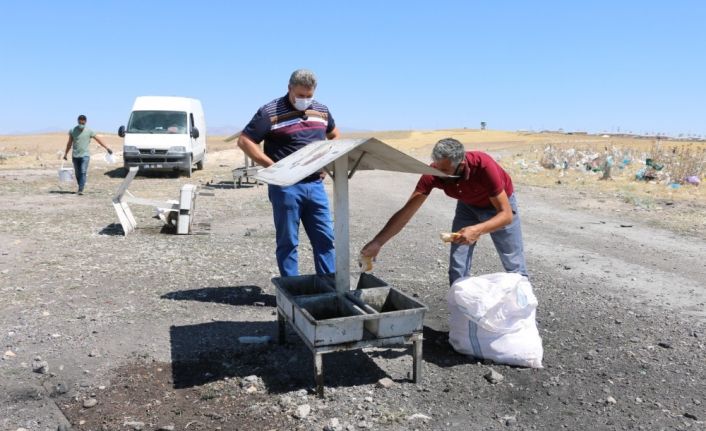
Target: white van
x=165 y=133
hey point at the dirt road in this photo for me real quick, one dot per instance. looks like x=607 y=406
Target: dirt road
x=148 y=325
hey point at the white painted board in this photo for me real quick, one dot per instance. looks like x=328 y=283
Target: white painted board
x=317 y=155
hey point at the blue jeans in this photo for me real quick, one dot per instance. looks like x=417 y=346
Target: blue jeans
x=80 y=170
x=308 y=203
x=508 y=241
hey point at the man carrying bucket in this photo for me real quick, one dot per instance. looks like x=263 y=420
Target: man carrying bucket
x=79 y=137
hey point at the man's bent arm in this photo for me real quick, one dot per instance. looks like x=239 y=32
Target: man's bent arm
x=253 y=150
x=502 y=218
x=333 y=134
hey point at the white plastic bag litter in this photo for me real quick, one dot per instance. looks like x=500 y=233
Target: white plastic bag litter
x=493 y=317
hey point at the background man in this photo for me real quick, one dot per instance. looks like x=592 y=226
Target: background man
x=287 y=124
x=79 y=137
x=486 y=204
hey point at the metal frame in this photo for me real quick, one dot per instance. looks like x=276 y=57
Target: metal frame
x=415 y=338
x=184 y=209
x=247 y=171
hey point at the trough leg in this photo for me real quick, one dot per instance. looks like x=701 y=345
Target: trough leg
x=281 y=328
x=417 y=360
x=319 y=374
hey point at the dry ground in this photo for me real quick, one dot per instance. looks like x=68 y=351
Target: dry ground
x=148 y=325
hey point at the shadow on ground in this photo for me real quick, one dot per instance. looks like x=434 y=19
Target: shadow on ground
x=122 y=172
x=231 y=295
x=116 y=173
x=229 y=185
x=209 y=352
x=113 y=229
x=436 y=350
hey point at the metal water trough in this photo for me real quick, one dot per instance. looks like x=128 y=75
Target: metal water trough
x=289 y=288
x=326 y=317
x=328 y=321
x=394 y=313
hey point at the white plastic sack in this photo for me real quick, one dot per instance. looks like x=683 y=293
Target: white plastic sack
x=493 y=317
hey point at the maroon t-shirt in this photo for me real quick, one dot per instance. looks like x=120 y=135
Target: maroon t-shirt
x=482 y=179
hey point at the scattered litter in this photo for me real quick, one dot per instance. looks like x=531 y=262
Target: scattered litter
x=654 y=165
x=693 y=180
x=665 y=165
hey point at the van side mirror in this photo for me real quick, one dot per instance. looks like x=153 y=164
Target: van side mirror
x=121 y=131
x=194 y=133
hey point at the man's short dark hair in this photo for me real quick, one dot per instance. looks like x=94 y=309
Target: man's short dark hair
x=81 y=117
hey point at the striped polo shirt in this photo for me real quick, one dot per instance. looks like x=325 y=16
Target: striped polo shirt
x=286 y=129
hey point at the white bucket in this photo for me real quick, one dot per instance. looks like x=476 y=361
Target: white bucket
x=65 y=174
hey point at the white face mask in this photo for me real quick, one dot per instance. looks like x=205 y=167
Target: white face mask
x=302 y=103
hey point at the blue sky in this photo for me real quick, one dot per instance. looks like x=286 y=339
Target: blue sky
x=594 y=65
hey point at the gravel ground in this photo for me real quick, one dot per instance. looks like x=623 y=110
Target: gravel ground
x=141 y=332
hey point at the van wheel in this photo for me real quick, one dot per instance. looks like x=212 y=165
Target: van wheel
x=191 y=166
x=199 y=164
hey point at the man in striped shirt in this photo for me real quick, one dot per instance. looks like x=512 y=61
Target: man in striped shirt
x=287 y=124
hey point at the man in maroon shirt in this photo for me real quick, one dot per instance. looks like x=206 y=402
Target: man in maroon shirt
x=486 y=204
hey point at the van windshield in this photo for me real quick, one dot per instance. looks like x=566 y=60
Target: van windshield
x=157 y=122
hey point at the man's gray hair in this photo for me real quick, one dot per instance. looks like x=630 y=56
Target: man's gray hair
x=303 y=77
x=449 y=148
